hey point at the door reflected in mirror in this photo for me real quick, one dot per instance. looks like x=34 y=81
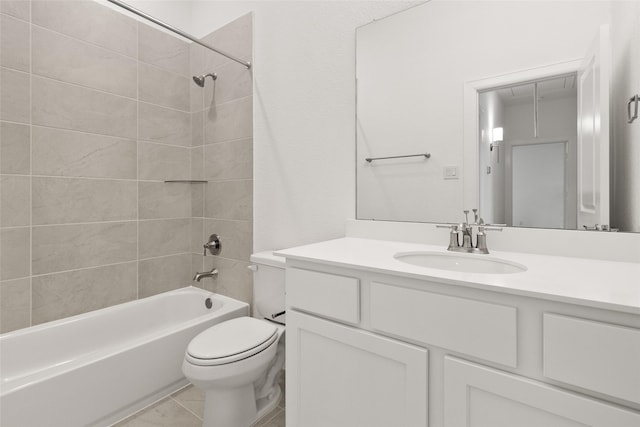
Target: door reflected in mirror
x=527 y=153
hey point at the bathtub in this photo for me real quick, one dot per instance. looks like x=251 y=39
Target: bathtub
x=99 y=367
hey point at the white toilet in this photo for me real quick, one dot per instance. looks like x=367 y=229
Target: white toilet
x=237 y=362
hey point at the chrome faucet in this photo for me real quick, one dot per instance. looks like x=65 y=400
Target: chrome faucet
x=214 y=247
x=466 y=230
x=199 y=276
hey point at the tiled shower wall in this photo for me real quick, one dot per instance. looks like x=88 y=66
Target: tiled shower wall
x=97 y=110
x=222 y=154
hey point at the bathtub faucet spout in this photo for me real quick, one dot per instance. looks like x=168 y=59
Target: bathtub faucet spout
x=212 y=273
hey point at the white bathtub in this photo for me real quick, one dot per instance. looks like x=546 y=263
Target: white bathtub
x=96 y=368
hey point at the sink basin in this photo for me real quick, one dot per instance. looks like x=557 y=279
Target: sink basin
x=463 y=263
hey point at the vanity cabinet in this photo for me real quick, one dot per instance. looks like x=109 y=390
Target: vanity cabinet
x=352 y=378
x=367 y=348
x=476 y=395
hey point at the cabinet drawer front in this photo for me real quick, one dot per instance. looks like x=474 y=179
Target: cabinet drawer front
x=593 y=355
x=476 y=328
x=329 y=295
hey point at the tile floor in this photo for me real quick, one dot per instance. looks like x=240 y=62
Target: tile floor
x=185 y=408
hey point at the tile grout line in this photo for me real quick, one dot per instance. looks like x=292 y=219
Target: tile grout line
x=30 y=165
x=184 y=407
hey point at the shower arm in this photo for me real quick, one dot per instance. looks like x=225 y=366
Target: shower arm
x=177 y=31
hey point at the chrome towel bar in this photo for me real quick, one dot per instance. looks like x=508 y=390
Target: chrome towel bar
x=371 y=159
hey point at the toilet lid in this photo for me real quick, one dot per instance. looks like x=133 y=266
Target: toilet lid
x=230 y=338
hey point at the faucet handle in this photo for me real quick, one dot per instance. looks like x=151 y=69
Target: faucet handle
x=213 y=245
x=466 y=216
x=452 y=226
x=476 y=216
x=453 y=235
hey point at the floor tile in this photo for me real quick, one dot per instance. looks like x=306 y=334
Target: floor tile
x=166 y=413
x=191 y=398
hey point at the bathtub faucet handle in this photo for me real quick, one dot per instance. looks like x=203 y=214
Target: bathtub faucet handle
x=214 y=245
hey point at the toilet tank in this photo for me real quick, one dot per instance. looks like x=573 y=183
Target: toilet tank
x=268 y=284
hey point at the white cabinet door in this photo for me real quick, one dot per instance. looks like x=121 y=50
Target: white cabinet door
x=338 y=376
x=483 y=397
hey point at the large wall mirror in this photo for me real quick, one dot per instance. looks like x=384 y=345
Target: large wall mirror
x=520 y=109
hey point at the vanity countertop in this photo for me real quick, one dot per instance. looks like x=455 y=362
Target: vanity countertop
x=601 y=284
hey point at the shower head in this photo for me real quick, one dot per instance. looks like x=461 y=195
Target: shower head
x=199 y=80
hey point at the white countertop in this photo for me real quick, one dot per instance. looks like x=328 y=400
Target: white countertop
x=602 y=284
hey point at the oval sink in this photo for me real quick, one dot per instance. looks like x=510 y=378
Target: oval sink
x=463 y=263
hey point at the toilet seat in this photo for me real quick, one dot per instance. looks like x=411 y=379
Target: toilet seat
x=231 y=341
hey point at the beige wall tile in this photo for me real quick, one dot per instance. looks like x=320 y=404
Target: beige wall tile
x=234 y=82
x=75 y=200
x=66 y=106
x=163 y=162
x=15 y=200
x=162 y=237
x=164 y=200
x=164 y=125
x=17 y=8
x=163 y=50
x=197 y=266
x=15 y=304
x=197 y=162
x=234 y=279
x=164 y=88
x=236 y=237
x=14 y=43
x=60 y=295
x=90 y=22
x=70 y=60
x=14 y=246
x=15 y=148
x=229 y=200
x=196 y=58
x=234 y=37
x=198 y=238
x=197 y=129
x=163 y=274
x=67 y=247
x=233 y=120
x=229 y=160
x=58 y=152
x=14 y=96
x=197 y=200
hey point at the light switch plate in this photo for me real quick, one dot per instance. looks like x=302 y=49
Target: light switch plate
x=450 y=172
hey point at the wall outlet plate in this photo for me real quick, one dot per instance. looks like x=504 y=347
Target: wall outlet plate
x=450 y=172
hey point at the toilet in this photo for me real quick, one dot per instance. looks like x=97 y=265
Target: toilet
x=237 y=362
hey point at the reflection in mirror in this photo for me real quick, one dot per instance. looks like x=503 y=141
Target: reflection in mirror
x=527 y=153
x=417 y=75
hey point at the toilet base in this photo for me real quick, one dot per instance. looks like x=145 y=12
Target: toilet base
x=237 y=407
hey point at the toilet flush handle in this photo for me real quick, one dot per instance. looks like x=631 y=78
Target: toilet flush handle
x=253 y=267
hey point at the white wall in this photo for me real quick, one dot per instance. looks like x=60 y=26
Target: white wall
x=304 y=112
